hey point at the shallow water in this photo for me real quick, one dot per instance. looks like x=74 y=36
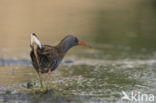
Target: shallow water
x=83 y=79
x=122 y=57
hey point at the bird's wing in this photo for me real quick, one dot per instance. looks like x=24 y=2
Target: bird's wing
x=48 y=55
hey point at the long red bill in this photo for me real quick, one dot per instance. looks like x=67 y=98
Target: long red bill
x=83 y=44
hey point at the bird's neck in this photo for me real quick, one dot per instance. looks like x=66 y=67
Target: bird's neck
x=64 y=46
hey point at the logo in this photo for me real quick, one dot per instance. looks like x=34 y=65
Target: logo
x=137 y=96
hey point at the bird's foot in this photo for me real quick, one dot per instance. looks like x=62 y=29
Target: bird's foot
x=40 y=88
x=37 y=87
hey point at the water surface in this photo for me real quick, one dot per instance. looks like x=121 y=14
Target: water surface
x=123 y=57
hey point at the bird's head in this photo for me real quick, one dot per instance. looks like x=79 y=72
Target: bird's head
x=70 y=41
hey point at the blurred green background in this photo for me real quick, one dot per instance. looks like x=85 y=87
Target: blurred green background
x=124 y=22
x=121 y=23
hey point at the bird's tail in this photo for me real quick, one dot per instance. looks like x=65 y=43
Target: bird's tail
x=35 y=40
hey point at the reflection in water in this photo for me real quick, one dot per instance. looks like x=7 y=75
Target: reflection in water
x=122 y=34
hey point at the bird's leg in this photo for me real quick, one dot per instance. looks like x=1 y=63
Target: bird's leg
x=49 y=72
x=39 y=77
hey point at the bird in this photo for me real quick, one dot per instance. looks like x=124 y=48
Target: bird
x=46 y=58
